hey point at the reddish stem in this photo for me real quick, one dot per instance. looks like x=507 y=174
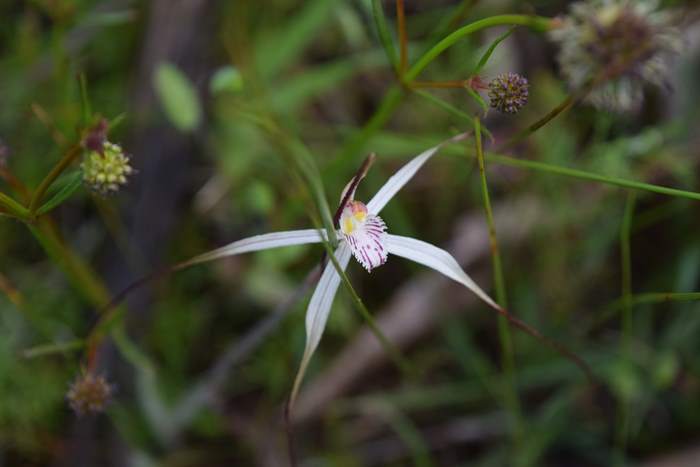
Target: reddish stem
x=403 y=39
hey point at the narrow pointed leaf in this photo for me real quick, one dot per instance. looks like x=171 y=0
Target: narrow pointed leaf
x=74 y=181
x=404 y=174
x=435 y=258
x=318 y=311
x=257 y=243
x=485 y=58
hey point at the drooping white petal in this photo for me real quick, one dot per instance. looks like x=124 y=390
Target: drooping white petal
x=403 y=175
x=435 y=258
x=318 y=310
x=259 y=242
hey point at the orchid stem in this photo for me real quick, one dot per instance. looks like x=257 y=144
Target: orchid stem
x=392 y=351
x=508 y=358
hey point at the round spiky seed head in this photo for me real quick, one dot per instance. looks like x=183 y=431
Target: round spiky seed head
x=89 y=393
x=629 y=43
x=108 y=171
x=508 y=92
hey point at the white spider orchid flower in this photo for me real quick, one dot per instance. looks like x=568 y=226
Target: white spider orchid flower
x=362 y=234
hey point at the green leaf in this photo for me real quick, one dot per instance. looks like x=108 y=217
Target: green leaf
x=226 y=79
x=178 y=97
x=276 y=51
x=383 y=32
x=72 y=183
x=485 y=58
x=451 y=109
x=314 y=81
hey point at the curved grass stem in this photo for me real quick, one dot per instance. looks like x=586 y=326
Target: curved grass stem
x=538 y=23
x=507 y=353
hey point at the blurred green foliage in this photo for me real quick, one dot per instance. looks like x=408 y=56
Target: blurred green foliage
x=266 y=108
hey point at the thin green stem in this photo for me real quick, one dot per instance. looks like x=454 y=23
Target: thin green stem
x=626 y=279
x=451 y=109
x=391 y=350
x=565 y=105
x=51 y=177
x=537 y=23
x=626 y=268
x=590 y=176
x=50 y=349
x=507 y=354
x=662 y=297
x=301 y=157
x=83 y=278
x=384 y=34
x=13 y=207
x=393 y=97
x=648 y=298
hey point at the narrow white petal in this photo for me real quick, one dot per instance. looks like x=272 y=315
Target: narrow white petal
x=403 y=175
x=321 y=301
x=398 y=180
x=260 y=242
x=318 y=310
x=435 y=258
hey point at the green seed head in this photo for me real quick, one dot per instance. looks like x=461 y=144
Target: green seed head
x=107 y=172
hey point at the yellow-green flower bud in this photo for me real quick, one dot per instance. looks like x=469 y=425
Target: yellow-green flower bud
x=107 y=172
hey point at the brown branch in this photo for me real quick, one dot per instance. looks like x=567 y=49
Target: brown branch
x=403 y=39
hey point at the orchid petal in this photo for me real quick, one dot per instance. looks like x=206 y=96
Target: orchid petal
x=403 y=175
x=318 y=310
x=435 y=258
x=260 y=242
x=398 y=180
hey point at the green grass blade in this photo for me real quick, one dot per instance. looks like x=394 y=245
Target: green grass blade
x=283 y=47
x=487 y=55
x=73 y=182
x=384 y=33
x=591 y=176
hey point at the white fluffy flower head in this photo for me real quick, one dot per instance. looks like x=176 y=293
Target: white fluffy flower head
x=631 y=43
